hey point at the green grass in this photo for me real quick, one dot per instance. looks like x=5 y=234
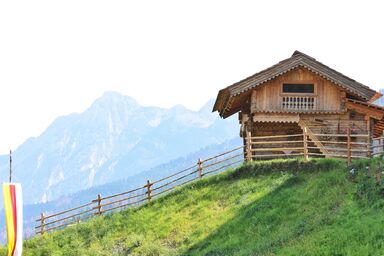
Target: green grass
x=267 y=208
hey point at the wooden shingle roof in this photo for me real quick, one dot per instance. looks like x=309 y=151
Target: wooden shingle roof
x=298 y=59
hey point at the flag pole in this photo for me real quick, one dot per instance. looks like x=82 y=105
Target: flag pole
x=10 y=166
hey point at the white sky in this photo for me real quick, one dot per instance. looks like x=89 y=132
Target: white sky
x=56 y=57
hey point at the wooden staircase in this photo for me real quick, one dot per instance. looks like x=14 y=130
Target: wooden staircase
x=378 y=128
x=303 y=124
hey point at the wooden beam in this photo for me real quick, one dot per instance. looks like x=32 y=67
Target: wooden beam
x=243 y=124
x=375 y=97
x=279 y=118
x=369 y=136
x=305 y=142
x=372 y=112
x=349 y=153
x=253 y=101
x=343 y=100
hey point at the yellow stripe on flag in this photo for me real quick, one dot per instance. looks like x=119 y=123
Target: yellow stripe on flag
x=9 y=218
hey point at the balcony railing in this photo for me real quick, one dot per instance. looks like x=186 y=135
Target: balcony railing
x=299 y=102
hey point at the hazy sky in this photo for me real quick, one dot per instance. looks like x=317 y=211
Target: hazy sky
x=56 y=57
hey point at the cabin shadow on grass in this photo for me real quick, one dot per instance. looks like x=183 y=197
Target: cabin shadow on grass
x=232 y=236
x=302 y=216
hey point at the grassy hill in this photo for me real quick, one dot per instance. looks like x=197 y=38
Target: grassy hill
x=267 y=208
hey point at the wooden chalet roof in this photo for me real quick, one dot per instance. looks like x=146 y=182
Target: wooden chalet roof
x=227 y=95
x=367 y=104
x=374 y=111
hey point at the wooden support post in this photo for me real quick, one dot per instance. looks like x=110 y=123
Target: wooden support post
x=369 y=142
x=349 y=153
x=98 y=204
x=380 y=147
x=200 y=168
x=248 y=147
x=42 y=224
x=305 y=144
x=253 y=102
x=343 y=101
x=382 y=144
x=149 y=192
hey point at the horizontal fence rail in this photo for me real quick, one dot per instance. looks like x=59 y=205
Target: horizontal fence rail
x=308 y=144
x=147 y=192
x=255 y=148
x=377 y=147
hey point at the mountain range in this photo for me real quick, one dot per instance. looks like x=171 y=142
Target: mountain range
x=114 y=139
x=64 y=202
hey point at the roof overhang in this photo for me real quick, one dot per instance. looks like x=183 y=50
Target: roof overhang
x=375 y=97
x=374 y=111
x=227 y=95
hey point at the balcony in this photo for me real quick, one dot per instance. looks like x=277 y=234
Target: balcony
x=299 y=102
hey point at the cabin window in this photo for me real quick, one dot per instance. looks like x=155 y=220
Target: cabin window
x=298 y=88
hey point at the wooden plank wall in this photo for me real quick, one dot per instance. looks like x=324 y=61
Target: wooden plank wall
x=269 y=96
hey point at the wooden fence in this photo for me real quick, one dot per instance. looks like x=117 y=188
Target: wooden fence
x=347 y=146
x=147 y=192
x=308 y=144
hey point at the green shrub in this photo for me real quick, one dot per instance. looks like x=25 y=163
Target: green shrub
x=368 y=178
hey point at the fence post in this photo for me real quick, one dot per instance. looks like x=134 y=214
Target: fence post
x=200 y=168
x=305 y=144
x=381 y=143
x=42 y=224
x=349 y=153
x=248 y=147
x=149 y=196
x=99 y=204
x=380 y=147
x=369 y=141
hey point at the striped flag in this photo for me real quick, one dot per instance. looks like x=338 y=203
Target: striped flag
x=13 y=206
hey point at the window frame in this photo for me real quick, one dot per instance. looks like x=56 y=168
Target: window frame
x=298 y=93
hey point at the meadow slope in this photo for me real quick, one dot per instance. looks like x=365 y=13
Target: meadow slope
x=284 y=207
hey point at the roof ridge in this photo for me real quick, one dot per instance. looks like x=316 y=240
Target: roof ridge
x=297 y=59
x=338 y=72
x=298 y=53
x=301 y=57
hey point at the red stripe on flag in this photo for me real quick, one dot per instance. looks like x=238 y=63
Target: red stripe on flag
x=14 y=213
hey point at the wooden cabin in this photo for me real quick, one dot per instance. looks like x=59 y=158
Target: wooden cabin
x=300 y=94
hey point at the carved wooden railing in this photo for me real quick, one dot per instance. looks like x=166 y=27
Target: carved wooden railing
x=299 y=102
